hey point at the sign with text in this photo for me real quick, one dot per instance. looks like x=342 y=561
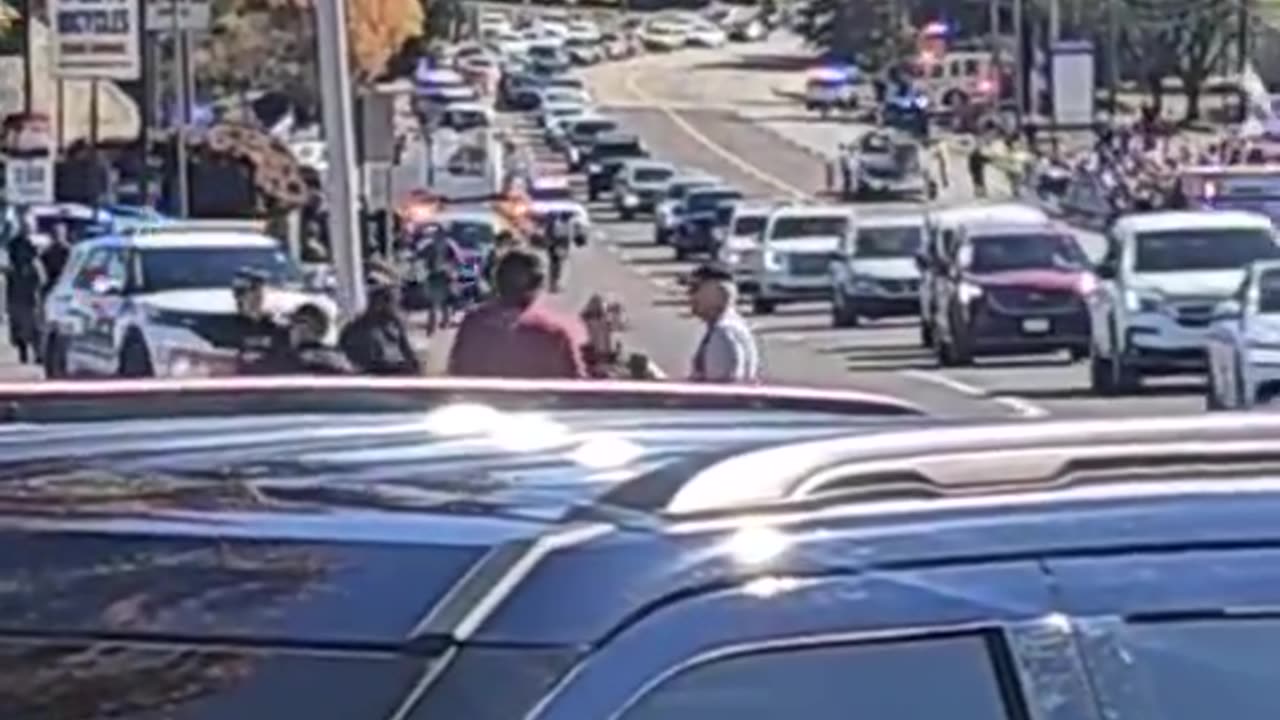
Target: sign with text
x=96 y=39
x=193 y=15
x=28 y=181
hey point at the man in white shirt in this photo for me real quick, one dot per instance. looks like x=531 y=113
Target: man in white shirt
x=727 y=352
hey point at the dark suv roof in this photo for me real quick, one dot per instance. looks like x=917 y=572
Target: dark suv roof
x=346 y=544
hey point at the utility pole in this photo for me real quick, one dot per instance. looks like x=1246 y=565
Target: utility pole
x=1113 y=57
x=1019 y=72
x=1243 y=36
x=28 y=81
x=180 y=95
x=335 y=93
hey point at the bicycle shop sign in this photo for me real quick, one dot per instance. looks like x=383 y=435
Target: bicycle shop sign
x=96 y=39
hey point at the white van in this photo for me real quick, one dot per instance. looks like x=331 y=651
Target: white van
x=796 y=249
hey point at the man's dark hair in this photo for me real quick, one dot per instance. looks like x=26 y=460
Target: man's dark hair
x=519 y=274
x=314 y=317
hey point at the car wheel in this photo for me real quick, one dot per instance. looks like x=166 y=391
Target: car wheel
x=55 y=358
x=1125 y=378
x=841 y=314
x=762 y=306
x=135 y=359
x=926 y=335
x=1100 y=375
x=627 y=215
x=1211 y=400
x=1243 y=399
x=660 y=237
x=681 y=253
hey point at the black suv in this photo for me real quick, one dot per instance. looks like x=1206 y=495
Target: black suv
x=703 y=217
x=607 y=154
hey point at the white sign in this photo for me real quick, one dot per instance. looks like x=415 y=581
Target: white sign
x=192 y=15
x=28 y=181
x=1073 y=83
x=96 y=39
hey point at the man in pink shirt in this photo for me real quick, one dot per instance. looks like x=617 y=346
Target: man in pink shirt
x=514 y=334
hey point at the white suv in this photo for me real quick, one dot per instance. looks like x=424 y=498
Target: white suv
x=741 y=248
x=1164 y=274
x=796 y=249
x=159 y=303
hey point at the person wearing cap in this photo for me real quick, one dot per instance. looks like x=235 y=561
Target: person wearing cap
x=515 y=334
x=258 y=334
x=377 y=341
x=306 y=353
x=727 y=352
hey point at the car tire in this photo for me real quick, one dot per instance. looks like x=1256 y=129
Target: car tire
x=627 y=215
x=681 y=253
x=135 y=359
x=1211 y=401
x=55 y=358
x=762 y=306
x=661 y=237
x=841 y=315
x=926 y=335
x=1242 y=390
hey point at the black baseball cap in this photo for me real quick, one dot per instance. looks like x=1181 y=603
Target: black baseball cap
x=710 y=272
x=249 y=277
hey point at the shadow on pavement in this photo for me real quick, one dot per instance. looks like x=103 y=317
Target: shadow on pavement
x=658 y=261
x=891 y=365
x=788 y=329
x=905 y=350
x=1084 y=393
x=635 y=244
x=762 y=62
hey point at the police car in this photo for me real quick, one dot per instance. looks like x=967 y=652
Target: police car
x=158 y=302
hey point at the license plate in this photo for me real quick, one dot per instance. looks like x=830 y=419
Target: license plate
x=1035 y=326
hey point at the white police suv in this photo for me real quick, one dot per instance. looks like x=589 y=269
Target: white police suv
x=158 y=302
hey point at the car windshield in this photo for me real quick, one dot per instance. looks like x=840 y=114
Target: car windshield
x=790 y=227
x=712 y=200
x=551 y=192
x=472 y=234
x=677 y=190
x=652 y=174
x=1204 y=249
x=1034 y=251
x=189 y=268
x=749 y=225
x=616 y=150
x=590 y=128
x=544 y=52
x=889 y=242
x=1269 y=291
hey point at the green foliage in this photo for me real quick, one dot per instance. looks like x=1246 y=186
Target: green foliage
x=874 y=32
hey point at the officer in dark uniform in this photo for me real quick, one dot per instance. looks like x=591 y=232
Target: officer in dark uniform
x=377 y=341
x=306 y=353
x=259 y=336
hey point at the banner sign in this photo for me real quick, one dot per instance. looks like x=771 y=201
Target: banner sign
x=96 y=39
x=27 y=145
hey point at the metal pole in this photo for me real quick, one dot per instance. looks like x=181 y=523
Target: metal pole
x=1113 y=57
x=1242 y=37
x=28 y=80
x=335 y=89
x=93 y=140
x=60 y=127
x=148 y=91
x=1019 y=72
x=180 y=97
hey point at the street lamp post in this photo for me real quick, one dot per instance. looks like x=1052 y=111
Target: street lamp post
x=335 y=93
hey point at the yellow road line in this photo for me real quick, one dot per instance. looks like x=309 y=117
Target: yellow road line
x=633 y=86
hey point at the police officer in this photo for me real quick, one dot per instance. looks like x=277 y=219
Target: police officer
x=305 y=353
x=258 y=334
x=377 y=341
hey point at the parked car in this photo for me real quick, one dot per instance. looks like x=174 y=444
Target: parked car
x=875 y=274
x=704 y=216
x=1244 y=343
x=666 y=216
x=329 y=550
x=606 y=157
x=640 y=186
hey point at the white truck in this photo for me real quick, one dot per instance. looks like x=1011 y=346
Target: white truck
x=796 y=249
x=1163 y=276
x=1244 y=342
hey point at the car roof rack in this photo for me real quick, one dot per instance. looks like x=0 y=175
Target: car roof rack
x=171 y=227
x=982 y=459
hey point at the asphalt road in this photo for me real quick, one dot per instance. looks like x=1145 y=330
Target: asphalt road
x=717 y=110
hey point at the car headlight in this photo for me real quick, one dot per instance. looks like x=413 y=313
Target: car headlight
x=969 y=292
x=594 y=168
x=774 y=260
x=1145 y=301
x=730 y=257
x=630 y=200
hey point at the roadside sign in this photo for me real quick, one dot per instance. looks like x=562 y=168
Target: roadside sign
x=96 y=39
x=193 y=15
x=28 y=181
x=26 y=144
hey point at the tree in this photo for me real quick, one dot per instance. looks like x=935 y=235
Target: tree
x=875 y=32
x=1187 y=39
x=378 y=29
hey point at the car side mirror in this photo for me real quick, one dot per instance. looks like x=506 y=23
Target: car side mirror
x=922 y=264
x=1106 y=270
x=837 y=256
x=1227 y=310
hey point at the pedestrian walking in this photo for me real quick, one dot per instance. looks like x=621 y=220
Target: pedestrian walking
x=376 y=342
x=441 y=257
x=515 y=334
x=258 y=335
x=727 y=352
x=54 y=258
x=24 y=282
x=978 y=160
